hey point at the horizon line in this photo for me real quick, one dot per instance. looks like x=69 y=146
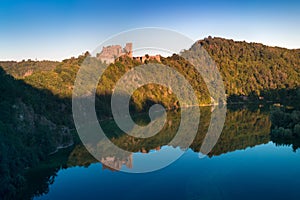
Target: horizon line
x=83 y=52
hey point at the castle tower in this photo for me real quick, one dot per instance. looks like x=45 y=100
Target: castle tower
x=128 y=49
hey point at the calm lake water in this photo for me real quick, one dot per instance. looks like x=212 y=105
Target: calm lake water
x=244 y=164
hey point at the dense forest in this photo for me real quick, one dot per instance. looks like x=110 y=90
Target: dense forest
x=35 y=101
x=270 y=70
x=33 y=124
x=252 y=68
x=286 y=122
x=26 y=68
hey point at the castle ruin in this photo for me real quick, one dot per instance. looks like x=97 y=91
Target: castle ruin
x=110 y=53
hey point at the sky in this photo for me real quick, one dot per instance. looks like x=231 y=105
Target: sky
x=60 y=29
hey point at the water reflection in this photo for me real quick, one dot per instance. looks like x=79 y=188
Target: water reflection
x=243 y=128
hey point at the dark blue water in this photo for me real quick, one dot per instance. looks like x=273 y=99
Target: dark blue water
x=262 y=172
x=244 y=164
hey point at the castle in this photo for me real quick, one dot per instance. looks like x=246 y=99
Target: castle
x=110 y=53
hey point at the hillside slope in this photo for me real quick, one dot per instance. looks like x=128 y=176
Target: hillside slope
x=248 y=69
x=33 y=124
x=252 y=68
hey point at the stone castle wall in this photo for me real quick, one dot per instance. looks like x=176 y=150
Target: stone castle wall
x=110 y=53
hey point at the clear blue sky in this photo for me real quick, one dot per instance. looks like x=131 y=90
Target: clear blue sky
x=60 y=29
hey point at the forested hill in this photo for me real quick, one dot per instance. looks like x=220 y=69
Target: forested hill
x=35 y=100
x=252 y=68
x=248 y=69
x=33 y=124
x=26 y=68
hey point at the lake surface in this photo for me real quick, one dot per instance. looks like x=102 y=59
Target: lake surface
x=244 y=164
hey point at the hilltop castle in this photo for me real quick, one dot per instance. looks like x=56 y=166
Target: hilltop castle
x=110 y=53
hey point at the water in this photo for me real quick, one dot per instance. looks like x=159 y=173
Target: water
x=244 y=164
